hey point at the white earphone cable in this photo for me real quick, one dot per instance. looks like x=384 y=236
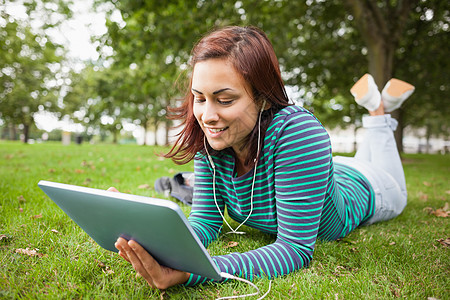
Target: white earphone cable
x=253 y=181
x=229 y=276
x=226 y=275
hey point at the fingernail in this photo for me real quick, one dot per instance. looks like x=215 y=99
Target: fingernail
x=132 y=245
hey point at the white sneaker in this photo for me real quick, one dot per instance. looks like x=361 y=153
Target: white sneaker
x=366 y=92
x=394 y=93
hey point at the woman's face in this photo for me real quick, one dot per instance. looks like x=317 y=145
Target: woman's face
x=223 y=105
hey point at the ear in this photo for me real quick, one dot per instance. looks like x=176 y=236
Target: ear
x=265 y=105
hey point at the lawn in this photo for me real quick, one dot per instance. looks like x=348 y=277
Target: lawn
x=43 y=254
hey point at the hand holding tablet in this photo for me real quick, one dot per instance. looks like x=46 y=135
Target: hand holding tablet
x=157 y=276
x=158 y=226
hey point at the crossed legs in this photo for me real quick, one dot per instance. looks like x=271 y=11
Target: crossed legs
x=377 y=158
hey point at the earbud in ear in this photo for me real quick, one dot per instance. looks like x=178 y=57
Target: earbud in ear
x=263 y=106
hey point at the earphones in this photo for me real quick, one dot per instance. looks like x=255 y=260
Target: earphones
x=262 y=107
x=253 y=181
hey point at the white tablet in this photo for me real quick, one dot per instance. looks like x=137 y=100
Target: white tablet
x=158 y=225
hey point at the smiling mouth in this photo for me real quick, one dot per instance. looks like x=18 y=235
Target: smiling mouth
x=216 y=130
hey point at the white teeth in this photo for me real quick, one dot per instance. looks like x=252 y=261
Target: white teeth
x=216 y=130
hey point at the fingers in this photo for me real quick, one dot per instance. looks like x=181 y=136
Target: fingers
x=161 y=277
x=120 y=243
x=113 y=189
x=129 y=255
x=157 y=276
x=145 y=264
x=124 y=256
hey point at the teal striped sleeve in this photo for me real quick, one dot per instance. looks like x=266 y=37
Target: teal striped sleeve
x=204 y=217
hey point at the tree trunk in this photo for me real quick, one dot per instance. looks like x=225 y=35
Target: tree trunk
x=355 y=144
x=384 y=56
x=3 y=135
x=115 y=133
x=380 y=58
x=167 y=123
x=26 y=132
x=381 y=29
x=156 y=132
x=428 y=137
x=398 y=133
x=12 y=132
x=145 y=134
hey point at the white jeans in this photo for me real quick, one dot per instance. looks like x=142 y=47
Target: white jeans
x=378 y=160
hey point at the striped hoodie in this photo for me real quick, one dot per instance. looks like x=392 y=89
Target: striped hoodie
x=299 y=196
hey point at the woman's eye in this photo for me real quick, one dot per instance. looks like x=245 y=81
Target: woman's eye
x=225 y=101
x=199 y=100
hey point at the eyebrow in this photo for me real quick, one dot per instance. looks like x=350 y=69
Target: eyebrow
x=214 y=93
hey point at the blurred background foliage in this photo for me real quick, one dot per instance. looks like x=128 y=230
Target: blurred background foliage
x=323 y=48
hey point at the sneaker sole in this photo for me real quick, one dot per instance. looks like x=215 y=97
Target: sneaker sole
x=361 y=87
x=398 y=87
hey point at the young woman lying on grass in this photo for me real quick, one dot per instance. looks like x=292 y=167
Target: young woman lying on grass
x=269 y=163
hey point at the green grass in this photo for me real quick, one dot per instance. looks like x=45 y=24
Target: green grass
x=399 y=258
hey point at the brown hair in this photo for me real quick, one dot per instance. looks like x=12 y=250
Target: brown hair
x=251 y=54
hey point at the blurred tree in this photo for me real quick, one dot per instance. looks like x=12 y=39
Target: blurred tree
x=31 y=74
x=106 y=108
x=405 y=39
x=421 y=55
x=94 y=100
x=153 y=48
x=102 y=99
x=146 y=103
x=80 y=94
x=28 y=78
x=319 y=52
x=323 y=48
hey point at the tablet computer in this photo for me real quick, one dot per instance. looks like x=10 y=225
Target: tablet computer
x=158 y=225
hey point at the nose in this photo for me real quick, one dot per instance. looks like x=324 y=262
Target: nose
x=210 y=113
